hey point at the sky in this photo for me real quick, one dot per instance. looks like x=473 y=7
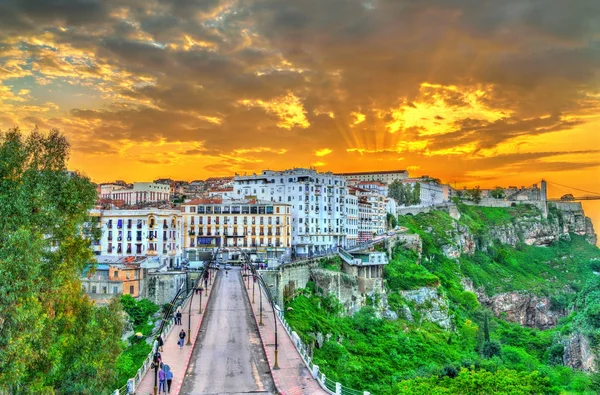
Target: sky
x=474 y=92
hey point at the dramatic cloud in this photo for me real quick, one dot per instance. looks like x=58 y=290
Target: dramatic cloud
x=461 y=89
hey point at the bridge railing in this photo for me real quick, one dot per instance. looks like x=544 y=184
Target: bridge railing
x=327 y=384
x=167 y=324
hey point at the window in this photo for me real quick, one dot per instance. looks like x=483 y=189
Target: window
x=93 y=289
x=116 y=274
x=131 y=289
x=115 y=290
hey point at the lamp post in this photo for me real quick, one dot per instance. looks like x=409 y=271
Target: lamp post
x=275 y=365
x=155 y=365
x=200 y=305
x=189 y=341
x=253 y=282
x=260 y=308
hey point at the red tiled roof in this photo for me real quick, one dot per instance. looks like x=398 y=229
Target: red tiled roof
x=195 y=202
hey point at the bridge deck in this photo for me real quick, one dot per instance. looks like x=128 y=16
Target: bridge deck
x=228 y=358
x=172 y=355
x=293 y=377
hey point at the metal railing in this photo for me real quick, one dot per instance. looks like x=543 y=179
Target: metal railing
x=328 y=385
x=183 y=294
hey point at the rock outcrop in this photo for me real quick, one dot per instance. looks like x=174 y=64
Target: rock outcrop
x=578 y=354
x=523 y=308
x=432 y=306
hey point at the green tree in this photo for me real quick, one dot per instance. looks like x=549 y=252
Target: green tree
x=391 y=221
x=497 y=193
x=52 y=338
x=416 y=194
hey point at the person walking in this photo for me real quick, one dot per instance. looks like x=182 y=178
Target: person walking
x=162 y=381
x=160 y=343
x=169 y=376
x=178 y=317
x=181 y=338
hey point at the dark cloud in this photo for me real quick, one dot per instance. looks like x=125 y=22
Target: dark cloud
x=181 y=69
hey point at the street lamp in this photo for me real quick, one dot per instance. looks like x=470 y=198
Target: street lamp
x=155 y=365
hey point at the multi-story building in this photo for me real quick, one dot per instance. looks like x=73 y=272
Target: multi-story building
x=378 y=208
x=365 y=215
x=431 y=193
x=373 y=186
x=140 y=192
x=148 y=232
x=115 y=276
x=387 y=177
x=250 y=224
x=317 y=203
x=351 y=220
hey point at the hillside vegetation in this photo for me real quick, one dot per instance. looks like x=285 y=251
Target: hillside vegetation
x=483 y=354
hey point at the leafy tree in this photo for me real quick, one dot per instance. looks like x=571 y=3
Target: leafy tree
x=52 y=337
x=416 y=194
x=391 y=221
x=473 y=194
x=497 y=193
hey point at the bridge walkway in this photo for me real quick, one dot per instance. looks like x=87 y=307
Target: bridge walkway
x=228 y=357
x=292 y=377
x=178 y=359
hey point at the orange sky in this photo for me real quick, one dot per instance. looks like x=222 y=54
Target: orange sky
x=475 y=93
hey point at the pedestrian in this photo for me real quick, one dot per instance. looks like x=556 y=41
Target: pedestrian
x=160 y=343
x=178 y=317
x=162 y=381
x=181 y=337
x=169 y=376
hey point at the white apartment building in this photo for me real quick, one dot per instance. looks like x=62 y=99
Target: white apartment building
x=431 y=193
x=372 y=186
x=148 y=232
x=387 y=177
x=261 y=226
x=378 y=208
x=317 y=202
x=141 y=192
x=365 y=216
x=351 y=208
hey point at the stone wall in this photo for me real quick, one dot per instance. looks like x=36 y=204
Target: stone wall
x=161 y=287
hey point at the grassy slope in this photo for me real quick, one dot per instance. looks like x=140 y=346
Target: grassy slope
x=376 y=355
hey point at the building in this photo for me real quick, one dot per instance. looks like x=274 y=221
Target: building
x=377 y=210
x=351 y=220
x=114 y=276
x=365 y=214
x=140 y=192
x=431 y=193
x=387 y=177
x=150 y=232
x=250 y=224
x=373 y=186
x=316 y=200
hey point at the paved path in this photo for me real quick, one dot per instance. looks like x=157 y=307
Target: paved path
x=229 y=358
x=178 y=359
x=292 y=377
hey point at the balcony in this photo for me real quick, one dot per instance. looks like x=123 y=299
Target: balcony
x=152 y=252
x=172 y=252
x=192 y=233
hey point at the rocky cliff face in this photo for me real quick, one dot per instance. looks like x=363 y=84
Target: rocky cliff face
x=431 y=305
x=564 y=218
x=523 y=308
x=578 y=354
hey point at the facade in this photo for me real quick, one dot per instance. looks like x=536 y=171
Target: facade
x=115 y=276
x=250 y=224
x=351 y=220
x=384 y=176
x=373 y=186
x=317 y=202
x=377 y=210
x=147 y=232
x=365 y=214
x=431 y=193
x=141 y=192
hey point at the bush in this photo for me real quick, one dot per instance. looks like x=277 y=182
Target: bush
x=491 y=349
